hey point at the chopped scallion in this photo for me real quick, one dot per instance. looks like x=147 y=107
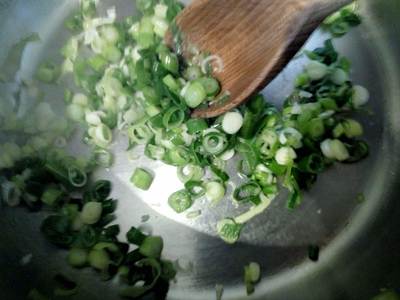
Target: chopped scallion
x=180 y=201
x=142 y=179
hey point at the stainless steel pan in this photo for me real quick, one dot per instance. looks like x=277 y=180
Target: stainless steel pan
x=360 y=242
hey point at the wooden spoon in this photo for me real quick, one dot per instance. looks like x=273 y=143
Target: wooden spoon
x=254 y=38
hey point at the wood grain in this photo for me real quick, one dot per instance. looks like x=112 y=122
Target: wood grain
x=254 y=38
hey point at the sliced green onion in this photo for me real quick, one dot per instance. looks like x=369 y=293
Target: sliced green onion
x=146 y=37
x=339 y=77
x=211 y=85
x=142 y=179
x=334 y=149
x=101 y=190
x=178 y=156
x=91 y=212
x=80 y=99
x=171 y=83
x=196 y=125
x=161 y=10
x=316 y=128
x=150 y=95
x=51 y=196
x=313 y=163
x=75 y=112
x=195 y=188
x=77 y=258
x=180 y=201
x=195 y=94
x=135 y=236
x=316 y=70
x=48 y=73
x=229 y=230
x=221 y=174
x=249 y=125
x=328 y=104
x=248 y=192
x=140 y=134
x=214 y=142
x=173 y=117
x=352 y=128
x=103 y=158
x=151 y=246
x=252 y=274
x=290 y=137
x=160 y=26
x=110 y=33
x=215 y=191
x=99 y=259
x=227 y=155
x=207 y=67
x=360 y=96
x=77 y=223
x=169 y=61
x=97 y=63
x=232 y=122
x=218 y=163
x=285 y=156
x=192 y=73
x=136 y=291
x=94 y=117
x=267 y=143
x=357 y=150
x=111 y=53
x=294 y=199
x=190 y=172
x=102 y=135
x=193 y=214
x=338 y=131
x=155 y=152
x=76 y=176
x=254 y=210
x=302 y=80
x=264 y=175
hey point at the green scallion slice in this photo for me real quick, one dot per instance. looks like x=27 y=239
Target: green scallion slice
x=180 y=201
x=142 y=179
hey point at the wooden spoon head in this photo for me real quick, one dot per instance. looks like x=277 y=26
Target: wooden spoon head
x=254 y=39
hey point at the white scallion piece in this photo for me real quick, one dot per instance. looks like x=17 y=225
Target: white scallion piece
x=232 y=122
x=334 y=149
x=360 y=96
x=316 y=70
x=285 y=156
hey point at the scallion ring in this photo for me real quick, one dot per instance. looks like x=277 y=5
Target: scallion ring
x=76 y=176
x=140 y=134
x=215 y=191
x=215 y=142
x=195 y=188
x=190 y=172
x=173 y=117
x=178 y=156
x=180 y=201
x=229 y=230
x=248 y=192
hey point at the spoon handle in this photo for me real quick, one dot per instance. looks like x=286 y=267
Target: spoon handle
x=321 y=9
x=311 y=14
